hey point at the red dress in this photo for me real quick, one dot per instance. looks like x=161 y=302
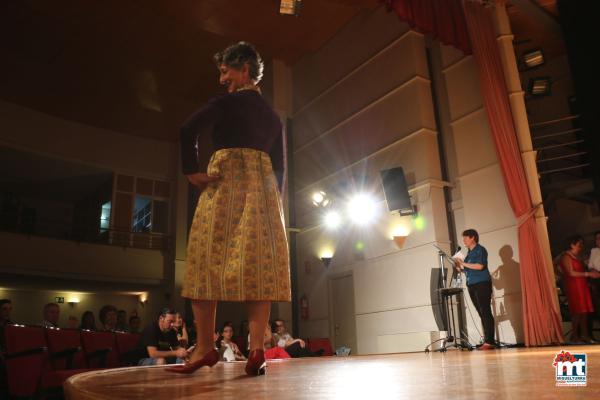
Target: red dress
x=578 y=292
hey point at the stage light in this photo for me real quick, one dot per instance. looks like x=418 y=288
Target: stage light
x=361 y=209
x=533 y=58
x=332 y=219
x=290 y=7
x=320 y=199
x=540 y=86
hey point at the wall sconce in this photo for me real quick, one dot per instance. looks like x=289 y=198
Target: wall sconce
x=73 y=301
x=326 y=261
x=399 y=234
x=143 y=299
x=533 y=58
x=399 y=240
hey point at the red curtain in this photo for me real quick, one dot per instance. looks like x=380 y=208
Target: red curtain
x=449 y=22
x=442 y=19
x=541 y=318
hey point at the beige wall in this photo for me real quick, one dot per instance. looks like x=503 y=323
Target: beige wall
x=478 y=197
x=38 y=255
x=363 y=104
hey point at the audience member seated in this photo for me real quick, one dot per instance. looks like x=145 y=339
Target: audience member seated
x=294 y=347
x=108 y=318
x=5 y=310
x=51 y=315
x=272 y=351
x=135 y=323
x=121 y=324
x=578 y=292
x=159 y=344
x=88 y=321
x=229 y=350
x=181 y=330
x=72 y=322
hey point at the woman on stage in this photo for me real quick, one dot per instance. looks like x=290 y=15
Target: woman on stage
x=237 y=248
x=578 y=291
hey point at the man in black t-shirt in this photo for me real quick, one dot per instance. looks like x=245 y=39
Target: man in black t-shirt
x=159 y=344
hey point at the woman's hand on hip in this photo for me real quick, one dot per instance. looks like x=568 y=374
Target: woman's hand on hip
x=201 y=179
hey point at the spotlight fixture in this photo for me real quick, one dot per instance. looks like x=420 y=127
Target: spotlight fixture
x=362 y=209
x=540 y=86
x=290 y=7
x=326 y=261
x=533 y=58
x=320 y=199
x=332 y=219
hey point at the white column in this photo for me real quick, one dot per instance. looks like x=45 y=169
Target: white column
x=517 y=105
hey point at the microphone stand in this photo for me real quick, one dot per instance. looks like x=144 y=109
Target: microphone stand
x=447 y=294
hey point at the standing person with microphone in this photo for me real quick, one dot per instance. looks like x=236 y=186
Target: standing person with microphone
x=479 y=284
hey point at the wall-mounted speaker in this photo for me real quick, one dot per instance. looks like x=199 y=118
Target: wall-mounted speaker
x=396 y=191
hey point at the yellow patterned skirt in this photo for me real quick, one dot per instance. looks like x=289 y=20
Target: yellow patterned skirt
x=237 y=248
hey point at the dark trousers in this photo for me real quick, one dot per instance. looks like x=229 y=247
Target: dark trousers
x=296 y=351
x=481 y=296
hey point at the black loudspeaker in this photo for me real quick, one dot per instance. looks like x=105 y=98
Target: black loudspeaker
x=396 y=191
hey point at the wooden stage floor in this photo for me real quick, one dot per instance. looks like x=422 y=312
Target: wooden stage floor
x=496 y=374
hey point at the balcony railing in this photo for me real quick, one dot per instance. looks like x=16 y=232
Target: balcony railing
x=33 y=226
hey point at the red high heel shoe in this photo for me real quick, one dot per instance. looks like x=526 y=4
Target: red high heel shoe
x=209 y=359
x=256 y=364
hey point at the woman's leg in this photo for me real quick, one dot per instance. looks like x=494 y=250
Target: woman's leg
x=585 y=332
x=258 y=316
x=575 y=327
x=204 y=316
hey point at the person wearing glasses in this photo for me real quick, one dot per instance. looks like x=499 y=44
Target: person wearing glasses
x=479 y=284
x=159 y=344
x=237 y=246
x=294 y=347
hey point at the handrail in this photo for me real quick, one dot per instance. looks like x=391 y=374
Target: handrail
x=30 y=225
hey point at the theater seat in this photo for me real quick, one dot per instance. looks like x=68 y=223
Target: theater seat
x=30 y=370
x=317 y=344
x=26 y=353
x=100 y=349
x=127 y=348
x=64 y=349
